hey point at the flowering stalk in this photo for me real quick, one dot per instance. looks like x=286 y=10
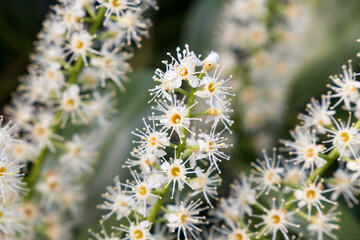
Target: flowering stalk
x=174 y=154
x=303 y=201
x=81 y=59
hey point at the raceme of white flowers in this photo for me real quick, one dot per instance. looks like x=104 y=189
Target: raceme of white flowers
x=81 y=59
x=294 y=191
x=261 y=42
x=175 y=163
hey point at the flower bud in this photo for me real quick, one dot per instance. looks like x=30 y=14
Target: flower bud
x=211 y=61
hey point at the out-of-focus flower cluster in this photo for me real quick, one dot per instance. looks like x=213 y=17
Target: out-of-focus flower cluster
x=80 y=61
x=317 y=168
x=175 y=162
x=11 y=186
x=261 y=42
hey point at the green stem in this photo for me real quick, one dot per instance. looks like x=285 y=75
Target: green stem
x=331 y=158
x=182 y=91
x=157 y=206
x=180 y=149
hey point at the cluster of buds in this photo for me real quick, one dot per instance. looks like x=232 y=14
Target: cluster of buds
x=176 y=159
x=81 y=60
x=318 y=169
x=261 y=42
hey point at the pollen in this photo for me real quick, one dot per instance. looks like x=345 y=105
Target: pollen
x=176 y=118
x=275 y=219
x=142 y=191
x=2 y=171
x=345 y=137
x=310 y=194
x=138 y=234
x=175 y=171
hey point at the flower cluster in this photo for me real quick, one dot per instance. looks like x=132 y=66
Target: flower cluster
x=176 y=156
x=260 y=41
x=11 y=186
x=81 y=60
x=317 y=169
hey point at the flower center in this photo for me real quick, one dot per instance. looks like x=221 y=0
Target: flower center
x=275 y=219
x=310 y=194
x=40 y=131
x=175 y=171
x=183 y=218
x=153 y=141
x=176 y=118
x=345 y=137
x=183 y=72
x=138 y=234
x=212 y=87
x=79 y=44
x=70 y=102
x=2 y=171
x=211 y=145
x=310 y=153
x=238 y=236
x=53 y=186
x=142 y=190
x=116 y=3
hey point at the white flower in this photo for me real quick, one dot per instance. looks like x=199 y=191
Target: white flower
x=79 y=155
x=305 y=148
x=134 y=26
x=100 y=108
x=152 y=140
x=138 y=231
x=185 y=218
x=6 y=134
x=10 y=175
x=228 y=210
x=276 y=219
x=311 y=195
x=168 y=82
x=175 y=116
x=54 y=78
x=234 y=232
x=319 y=114
x=206 y=184
x=80 y=43
x=243 y=195
x=346 y=185
x=347 y=87
x=52 y=187
x=116 y=201
x=176 y=172
x=220 y=112
x=140 y=191
x=112 y=65
x=70 y=16
x=324 y=224
x=145 y=160
x=72 y=105
x=344 y=137
x=210 y=147
x=116 y=6
x=185 y=65
x=267 y=173
x=212 y=88
x=40 y=131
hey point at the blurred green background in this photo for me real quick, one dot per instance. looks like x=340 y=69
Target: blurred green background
x=177 y=23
